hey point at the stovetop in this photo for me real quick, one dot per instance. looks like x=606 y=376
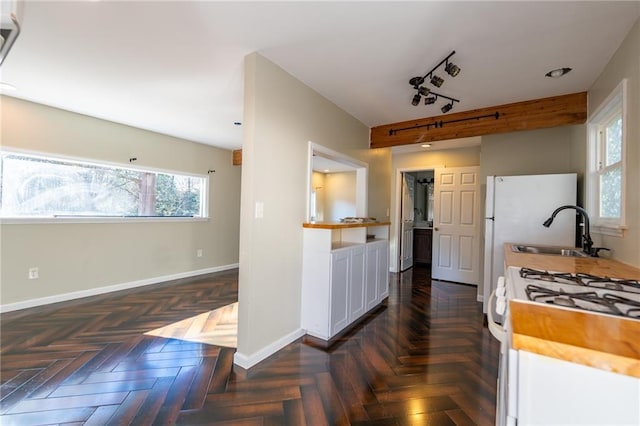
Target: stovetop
x=612 y=296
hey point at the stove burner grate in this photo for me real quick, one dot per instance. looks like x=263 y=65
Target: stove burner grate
x=589 y=301
x=582 y=279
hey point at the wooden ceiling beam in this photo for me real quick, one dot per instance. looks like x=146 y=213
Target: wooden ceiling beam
x=528 y=115
x=237 y=157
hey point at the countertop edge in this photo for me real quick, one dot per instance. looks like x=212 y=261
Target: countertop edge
x=343 y=225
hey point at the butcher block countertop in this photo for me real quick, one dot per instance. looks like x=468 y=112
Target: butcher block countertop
x=340 y=225
x=602 y=341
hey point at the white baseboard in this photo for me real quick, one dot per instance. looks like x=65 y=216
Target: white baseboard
x=248 y=361
x=31 y=303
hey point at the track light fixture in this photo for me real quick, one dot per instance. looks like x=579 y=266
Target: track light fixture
x=437 y=81
x=446 y=108
x=434 y=97
x=452 y=69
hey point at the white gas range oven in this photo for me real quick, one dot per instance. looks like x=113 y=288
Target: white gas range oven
x=536 y=389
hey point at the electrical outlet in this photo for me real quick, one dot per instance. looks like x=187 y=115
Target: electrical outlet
x=199 y=253
x=34 y=273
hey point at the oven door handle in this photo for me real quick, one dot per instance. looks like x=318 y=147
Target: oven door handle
x=496 y=329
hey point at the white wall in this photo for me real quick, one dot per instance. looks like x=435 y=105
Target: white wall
x=340 y=196
x=81 y=257
x=625 y=63
x=281 y=116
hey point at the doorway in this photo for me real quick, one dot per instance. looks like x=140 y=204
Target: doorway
x=454 y=225
x=416 y=218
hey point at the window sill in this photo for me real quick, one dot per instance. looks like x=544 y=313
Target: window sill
x=610 y=230
x=59 y=220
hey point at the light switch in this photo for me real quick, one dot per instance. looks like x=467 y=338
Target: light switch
x=259 y=209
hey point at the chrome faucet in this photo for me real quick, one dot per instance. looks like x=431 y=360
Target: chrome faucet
x=587 y=242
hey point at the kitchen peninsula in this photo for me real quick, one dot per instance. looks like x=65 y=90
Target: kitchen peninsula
x=572 y=342
x=345 y=273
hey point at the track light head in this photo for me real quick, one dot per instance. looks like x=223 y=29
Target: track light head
x=416 y=99
x=430 y=100
x=452 y=69
x=437 y=81
x=416 y=81
x=445 y=109
x=424 y=91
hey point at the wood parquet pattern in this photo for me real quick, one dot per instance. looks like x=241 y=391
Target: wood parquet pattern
x=218 y=327
x=423 y=359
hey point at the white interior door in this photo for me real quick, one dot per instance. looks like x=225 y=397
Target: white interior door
x=456 y=228
x=407 y=214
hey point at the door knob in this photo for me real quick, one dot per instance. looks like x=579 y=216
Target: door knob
x=435 y=229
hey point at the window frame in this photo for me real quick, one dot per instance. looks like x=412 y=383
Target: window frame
x=615 y=104
x=204 y=203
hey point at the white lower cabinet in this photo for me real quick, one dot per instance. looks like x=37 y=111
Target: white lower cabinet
x=377 y=273
x=339 y=291
x=382 y=269
x=341 y=285
x=347 y=287
x=356 y=283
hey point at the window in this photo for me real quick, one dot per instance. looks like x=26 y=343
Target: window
x=35 y=186
x=606 y=167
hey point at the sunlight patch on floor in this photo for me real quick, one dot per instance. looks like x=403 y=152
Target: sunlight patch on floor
x=218 y=327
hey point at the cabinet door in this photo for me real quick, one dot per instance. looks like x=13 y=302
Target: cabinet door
x=356 y=283
x=383 y=270
x=339 y=291
x=422 y=245
x=371 y=276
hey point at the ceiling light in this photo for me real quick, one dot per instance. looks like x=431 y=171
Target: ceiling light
x=445 y=109
x=452 y=69
x=557 y=73
x=426 y=145
x=437 y=81
x=416 y=82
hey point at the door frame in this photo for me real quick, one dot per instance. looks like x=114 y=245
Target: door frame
x=394 y=246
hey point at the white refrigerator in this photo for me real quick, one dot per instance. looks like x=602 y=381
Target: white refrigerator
x=515 y=208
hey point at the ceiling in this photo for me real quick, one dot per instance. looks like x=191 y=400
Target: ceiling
x=177 y=67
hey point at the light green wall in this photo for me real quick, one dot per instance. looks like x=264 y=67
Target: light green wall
x=77 y=257
x=281 y=116
x=625 y=63
x=544 y=151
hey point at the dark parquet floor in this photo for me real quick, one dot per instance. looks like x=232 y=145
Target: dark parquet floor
x=422 y=359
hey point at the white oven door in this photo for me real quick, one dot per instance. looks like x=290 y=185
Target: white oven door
x=507 y=396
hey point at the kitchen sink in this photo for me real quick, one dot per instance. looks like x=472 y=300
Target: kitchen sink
x=553 y=250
